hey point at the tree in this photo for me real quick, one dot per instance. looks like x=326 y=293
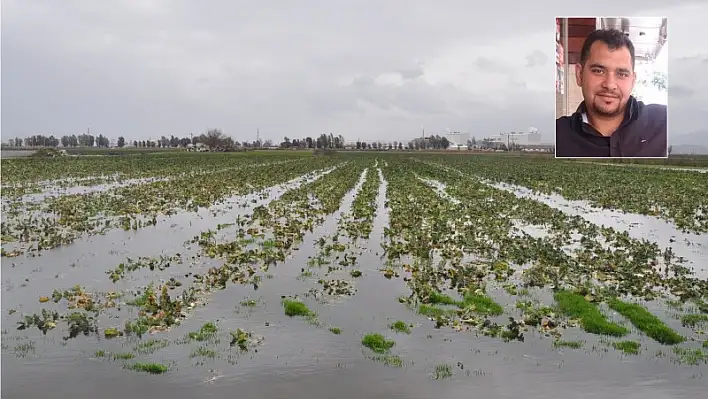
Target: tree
x=213 y=138
x=102 y=141
x=286 y=143
x=65 y=141
x=135 y=143
x=121 y=142
x=670 y=148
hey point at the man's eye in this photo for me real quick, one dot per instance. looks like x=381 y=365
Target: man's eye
x=623 y=74
x=597 y=70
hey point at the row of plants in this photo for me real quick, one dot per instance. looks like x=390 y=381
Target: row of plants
x=645 y=191
x=455 y=251
x=61 y=220
x=26 y=172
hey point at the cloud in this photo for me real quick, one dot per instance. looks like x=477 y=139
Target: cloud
x=364 y=69
x=536 y=58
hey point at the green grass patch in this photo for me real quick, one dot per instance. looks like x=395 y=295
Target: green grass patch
x=482 y=304
x=295 y=308
x=434 y=311
x=477 y=302
x=694 y=320
x=628 y=347
x=249 y=303
x=123 y=356
x=568 y=344
x=690 y=356
x=442 y=371
x=437 y=298
x=377 y=343
x=151 y=346
x=152 y=368
x=400 y=326
x=203 y=351
x=205 y=333
x=112 y=333
x=114 y=356
x=388 y=360
x=335 y=330
x=646 y=322
x=591 y=319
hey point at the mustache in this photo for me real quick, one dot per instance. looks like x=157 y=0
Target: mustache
x=608 y=94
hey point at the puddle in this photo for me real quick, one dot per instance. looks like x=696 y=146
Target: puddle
x=693 y=247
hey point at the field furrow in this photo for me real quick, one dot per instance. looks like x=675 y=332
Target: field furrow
x=647 y=191
x=420 y=263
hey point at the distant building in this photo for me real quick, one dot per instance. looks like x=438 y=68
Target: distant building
x=457 y=138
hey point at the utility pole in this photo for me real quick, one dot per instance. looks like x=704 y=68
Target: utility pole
x=258 y=137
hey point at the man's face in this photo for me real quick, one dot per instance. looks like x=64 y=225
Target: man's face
x=607 y=79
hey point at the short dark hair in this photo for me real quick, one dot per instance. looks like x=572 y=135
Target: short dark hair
x=613 y=38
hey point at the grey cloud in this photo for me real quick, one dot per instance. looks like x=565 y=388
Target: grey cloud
x=412 y=72
x=487 y=65
x=681 y=91
x=143 y=68
x=536 y=58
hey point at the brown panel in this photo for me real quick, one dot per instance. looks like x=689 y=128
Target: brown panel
x=580 y=30
x=575 y=44
x=582 y=21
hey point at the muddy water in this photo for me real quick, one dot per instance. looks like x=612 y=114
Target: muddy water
x=61 y=187
x=693 y=247
x=299 y=360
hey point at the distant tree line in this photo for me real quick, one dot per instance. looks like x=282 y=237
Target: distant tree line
x=216 y=139
x=323 y=141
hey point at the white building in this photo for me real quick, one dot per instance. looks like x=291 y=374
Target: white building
x=457 y=139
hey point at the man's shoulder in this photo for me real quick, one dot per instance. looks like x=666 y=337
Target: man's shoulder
x=655 y=112
x=563 y=120
x=563 y=124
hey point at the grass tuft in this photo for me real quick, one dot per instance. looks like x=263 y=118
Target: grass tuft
x=295 y=308
x=568 y=344
x=628 y=347
x=694 y=320
x=400 y=326
x=377 y=343
x=152 y=368
x=646 y=322
x=442 y=371
x=591 y=319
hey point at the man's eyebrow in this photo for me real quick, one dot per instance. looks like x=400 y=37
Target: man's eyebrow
x=598 y=65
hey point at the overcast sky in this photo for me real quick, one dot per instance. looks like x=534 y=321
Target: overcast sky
x=364 y=69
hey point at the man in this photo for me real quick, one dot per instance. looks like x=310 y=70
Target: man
x=610 y=122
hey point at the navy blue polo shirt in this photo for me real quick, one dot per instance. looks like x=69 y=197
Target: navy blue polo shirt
x=642 y=133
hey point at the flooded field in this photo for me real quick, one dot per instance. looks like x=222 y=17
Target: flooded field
x=367 y=275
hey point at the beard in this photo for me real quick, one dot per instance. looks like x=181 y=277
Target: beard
x=601 y=107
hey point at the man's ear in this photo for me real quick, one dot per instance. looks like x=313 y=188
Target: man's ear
x=579 y=74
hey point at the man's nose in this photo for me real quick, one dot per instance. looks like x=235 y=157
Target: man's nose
x=610 y=81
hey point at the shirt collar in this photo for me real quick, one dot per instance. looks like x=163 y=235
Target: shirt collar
x=580 y=116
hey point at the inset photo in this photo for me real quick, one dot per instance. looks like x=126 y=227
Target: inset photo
x=611 y=87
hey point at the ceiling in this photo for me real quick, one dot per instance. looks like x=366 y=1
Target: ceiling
x=648 y=34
